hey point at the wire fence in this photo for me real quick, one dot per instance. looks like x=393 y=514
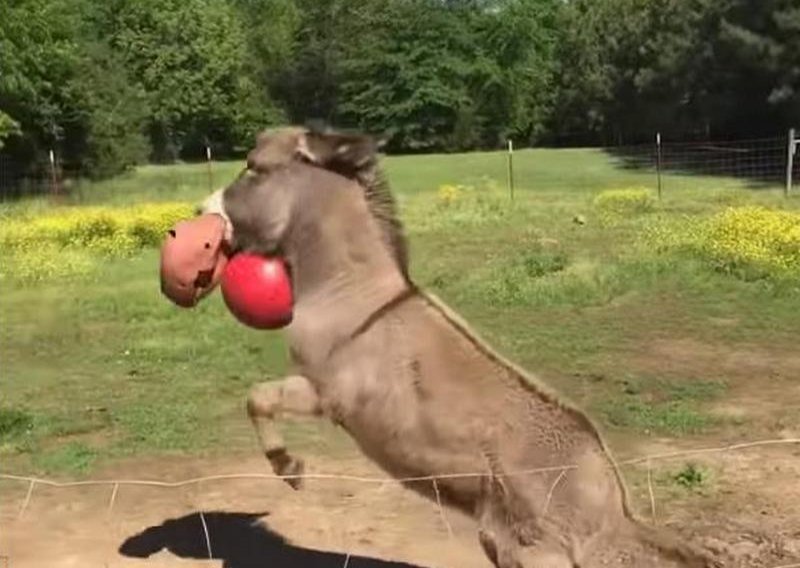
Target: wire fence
x=761 y=159
x=562 y=470
x=755 y=163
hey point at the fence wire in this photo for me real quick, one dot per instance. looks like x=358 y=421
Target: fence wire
x=647 y=460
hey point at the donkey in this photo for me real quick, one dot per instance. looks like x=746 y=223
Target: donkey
x=420 y=392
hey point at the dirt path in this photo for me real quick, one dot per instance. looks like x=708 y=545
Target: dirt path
x=250 y=522
x=752 y=513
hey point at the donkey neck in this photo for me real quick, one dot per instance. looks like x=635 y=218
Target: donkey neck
x=342 y=273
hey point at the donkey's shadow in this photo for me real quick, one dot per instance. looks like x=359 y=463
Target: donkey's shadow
x=240 y=541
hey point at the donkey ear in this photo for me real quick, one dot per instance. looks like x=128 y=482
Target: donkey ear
x=343 y=153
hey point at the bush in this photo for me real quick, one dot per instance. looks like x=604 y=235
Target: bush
x=619 y=202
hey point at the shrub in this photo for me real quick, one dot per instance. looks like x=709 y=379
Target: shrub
x=619 y=202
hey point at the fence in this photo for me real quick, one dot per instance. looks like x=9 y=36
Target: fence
x=758 y=163
x=663 y=164
x=207 y=535
x=54 y=177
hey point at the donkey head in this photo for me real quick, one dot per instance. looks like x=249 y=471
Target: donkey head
x=289 y=173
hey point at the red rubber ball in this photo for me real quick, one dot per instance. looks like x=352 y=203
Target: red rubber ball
x=258 y=291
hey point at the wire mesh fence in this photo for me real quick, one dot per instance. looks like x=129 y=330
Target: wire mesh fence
x=758 y=163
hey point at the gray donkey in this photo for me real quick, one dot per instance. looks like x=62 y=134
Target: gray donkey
x=420 y=393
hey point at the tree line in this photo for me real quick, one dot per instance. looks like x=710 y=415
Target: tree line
x=115 y=83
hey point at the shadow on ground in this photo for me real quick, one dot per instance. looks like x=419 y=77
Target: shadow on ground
x=240 y=541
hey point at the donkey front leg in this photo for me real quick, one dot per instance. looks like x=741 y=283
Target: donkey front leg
x=267 y=400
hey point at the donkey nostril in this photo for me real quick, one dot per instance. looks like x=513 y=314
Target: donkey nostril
x=208 y=245
x=171 y=233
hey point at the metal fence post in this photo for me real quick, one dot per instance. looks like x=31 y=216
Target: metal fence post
x=210 y=173
x=791 y=149
x=511 y=169
x=53 y=175
x=658 y=162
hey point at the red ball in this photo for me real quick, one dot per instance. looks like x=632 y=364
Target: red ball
x=258 y=291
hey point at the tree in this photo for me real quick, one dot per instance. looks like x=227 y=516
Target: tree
x=516 y=98
x=191 y=59
x=63 y=90
x=39 y=55
x=759 y=47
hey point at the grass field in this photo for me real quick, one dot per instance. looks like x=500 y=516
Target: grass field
x=654 y=346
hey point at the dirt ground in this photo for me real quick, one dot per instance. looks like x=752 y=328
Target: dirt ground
x=752 y=515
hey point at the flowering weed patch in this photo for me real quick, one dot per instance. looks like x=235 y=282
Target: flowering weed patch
x=614 y=203
x=65 y=242
x=751 y=242
x=458 y=206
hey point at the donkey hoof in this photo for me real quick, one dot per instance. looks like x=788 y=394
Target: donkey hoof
x=293 y=473
x=287 y=467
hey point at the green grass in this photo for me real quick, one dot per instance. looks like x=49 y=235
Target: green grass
x=103 y=367
x=660 y=407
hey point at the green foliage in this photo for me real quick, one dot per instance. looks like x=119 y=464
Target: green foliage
x=434 y=76
x=69 y=91
x=190 y=58
x=8 y=127
x=115 y=111
x=625 y=64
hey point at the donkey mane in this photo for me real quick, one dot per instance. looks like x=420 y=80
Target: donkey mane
x=383 y=208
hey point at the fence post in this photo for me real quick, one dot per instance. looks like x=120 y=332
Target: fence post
x=210 y=174
x=53 y=177
x=511 y=169
x=658 y=162
x=791 y=149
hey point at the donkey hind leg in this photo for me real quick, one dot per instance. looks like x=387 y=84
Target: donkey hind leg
x=504 y=538
x=266 y=401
